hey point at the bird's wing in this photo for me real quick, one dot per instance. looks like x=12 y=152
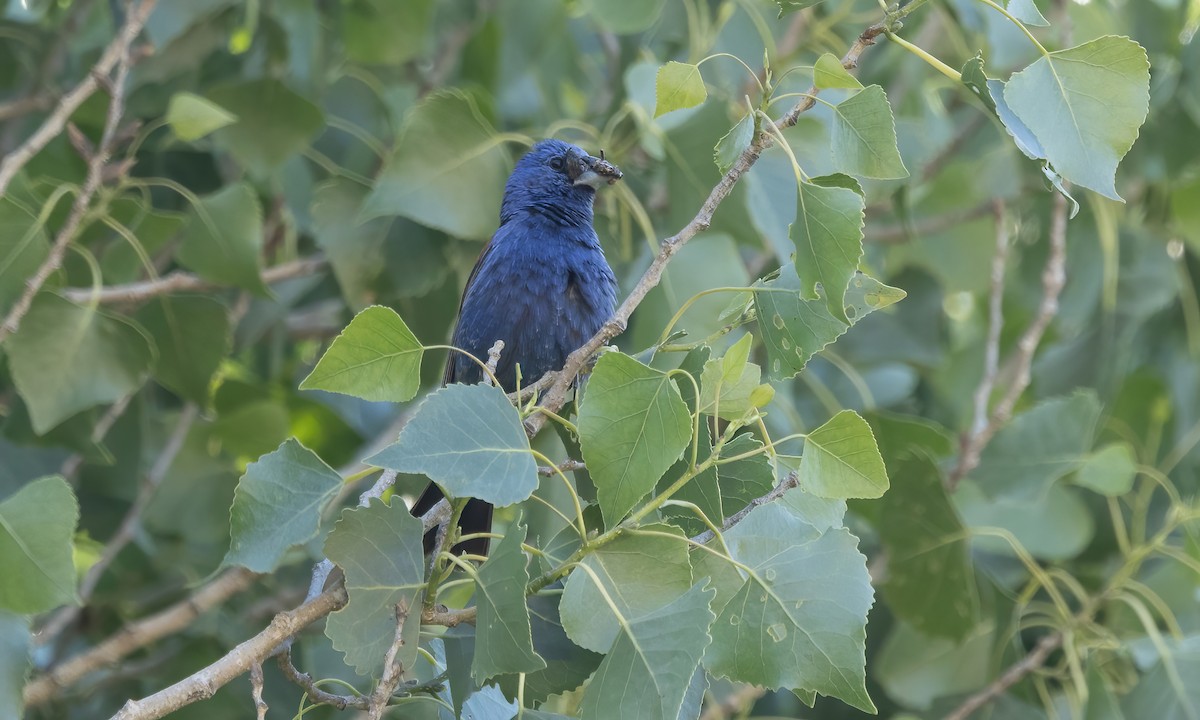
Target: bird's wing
x=448 y=375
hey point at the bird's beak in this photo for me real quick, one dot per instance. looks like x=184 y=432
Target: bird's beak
x=593 y=171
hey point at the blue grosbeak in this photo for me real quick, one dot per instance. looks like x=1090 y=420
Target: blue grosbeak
x=541 y=285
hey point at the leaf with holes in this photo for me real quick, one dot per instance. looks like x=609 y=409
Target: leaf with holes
x=827 y=235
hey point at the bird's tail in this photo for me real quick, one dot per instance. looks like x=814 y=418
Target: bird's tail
x=476 y=518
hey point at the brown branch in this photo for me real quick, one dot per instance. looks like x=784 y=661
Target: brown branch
x=256 y=690
x=120 y=52
x=117 y=52
x=316 y=694
x=204 y=683
x=392 y=670
x=448 y=618
x=791 y=481
x=556 y=396
x=1031 y=662
x=137 y=635
x=565 y=466
x=175 y=282
x=25 y=105
x=1054 y=276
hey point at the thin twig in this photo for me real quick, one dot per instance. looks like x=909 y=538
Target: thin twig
x=493 y=360
x=316 y=694
x=24 y=105
x=1031 y=662
x=128 y=526
x=791 y=481
x=392 y=671
x=564 y=466
x=118 y=51
x=558 y=393
x=178 y=281
x=204 y=683
x=137 y=635
x=971 y=446
x=72 y=464
x=256 y=690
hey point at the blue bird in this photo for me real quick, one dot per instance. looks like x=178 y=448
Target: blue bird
x=541 y=285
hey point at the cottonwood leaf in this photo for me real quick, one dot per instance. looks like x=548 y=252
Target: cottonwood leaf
x=1109 y=471
x=355 y=250
x=66 y=358
x=1038 y=447
x=827 y=235
x=376 y=357
x=385 y=32
x=37 y=524
x=727 y=384
x=1027 y=12
x=633 y=425
x=567 y=665
x=864 y=136
x=1085 y=104
x=731 y=145
x=1054 y=526
x=191 y=117
x=470 y=441
x=446 y=151
x=842 y=461
x=277 y=505
x=829 y=74
x=23 y=247
x=379 y=549
x=650 y=666
x=798 y=621
x=641 y=573
x=503 y=639
x=273 y=123
x=794 y=329
x=191 y=333
x=223 y=236
x=488 y=703
x=678 y=86
x=931 y=579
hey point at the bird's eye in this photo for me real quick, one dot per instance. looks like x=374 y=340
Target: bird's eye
x=557 y=163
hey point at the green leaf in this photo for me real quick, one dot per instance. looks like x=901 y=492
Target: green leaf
x=798 y=620
x=1038 y=447
x=1027 y=12
x=355 y=250
x=376 y=357
x=633 y=425
x=278 y=505
x=733 y=143
x=625 y=16
x=864 y=136
x=727 y=384
x=743 y=480
x=23 y=247
x=191 y=333
x=37 y=524
x=379 y=549
x=842 y=461
x=641 y=573
x=446 y=152
x=66 y=358
x=14 y=663
x=191 y=117
x=828 y=235
x=678 y=86
x=567 y=664
x=384 y=32
x=1109 y=471
x=828 y=74
x=273 y=123
x=794 y=329
x=931 y=580
x=916 y=669
x=469 y=440
x=1055 y=526
x=1085 y=104
x=650 y=666
x=223 y=236
x=503 y=640
x=488 y=703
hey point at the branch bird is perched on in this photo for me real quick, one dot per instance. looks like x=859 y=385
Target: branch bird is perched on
x=541 y=284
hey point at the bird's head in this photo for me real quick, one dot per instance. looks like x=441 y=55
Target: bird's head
x=557 y=178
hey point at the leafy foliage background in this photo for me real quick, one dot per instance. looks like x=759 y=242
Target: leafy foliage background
x=301 y=164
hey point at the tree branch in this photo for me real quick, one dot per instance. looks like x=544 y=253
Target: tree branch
x=118 y=51
x=1031 y=662
x=791 y=481
x=204 y=683
x=137 y=635
x=137 y=292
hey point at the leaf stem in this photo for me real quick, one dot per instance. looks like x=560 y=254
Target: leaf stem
x=743 y=64
x=933 y=62
x=1018 y=23
x=570 y=488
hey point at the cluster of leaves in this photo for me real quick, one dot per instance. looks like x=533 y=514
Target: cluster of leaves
x=367 y=143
